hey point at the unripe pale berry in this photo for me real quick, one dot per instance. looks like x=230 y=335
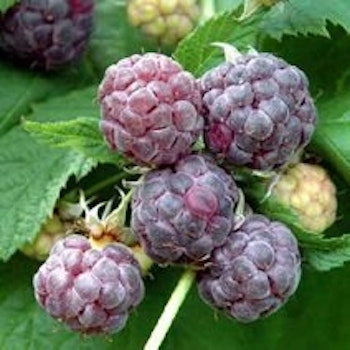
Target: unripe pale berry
x=53 y=229
x=310 y=193
x=168 y=21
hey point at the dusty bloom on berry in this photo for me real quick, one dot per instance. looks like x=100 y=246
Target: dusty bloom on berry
x=258 y=111
x=92 y=291
x=254 y=272
x=181 y=214
x=150 y=109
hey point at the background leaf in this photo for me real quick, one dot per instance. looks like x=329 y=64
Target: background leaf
x=195 y=52
x=82 y=134
x=321 y=300
x=20 y=88
x=32 y=174
x=222 y=5
x=5 y=4
x=332 y=137
x=327 y=260
x=306 y=17
x=114 y=38
x=302 y=51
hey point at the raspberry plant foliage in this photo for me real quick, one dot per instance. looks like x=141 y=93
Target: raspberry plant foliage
x=37 y=177
x=5 y=4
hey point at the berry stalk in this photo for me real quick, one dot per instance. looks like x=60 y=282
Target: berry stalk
x=94 y=189
x=170 y=311
x=208 y=9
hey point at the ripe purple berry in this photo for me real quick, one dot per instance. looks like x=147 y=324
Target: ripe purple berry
x=181 y=214
x=258 y=111
x=92 y=291
x=254 y=272
x=149 y=107
x=47 y=34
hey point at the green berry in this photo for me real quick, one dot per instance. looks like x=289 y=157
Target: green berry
x=168 y=21
x=51 y=231
x=310 y=193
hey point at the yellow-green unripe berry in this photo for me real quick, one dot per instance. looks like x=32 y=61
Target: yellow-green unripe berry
x=52 y=230
x=168 y=21
x=310 y=193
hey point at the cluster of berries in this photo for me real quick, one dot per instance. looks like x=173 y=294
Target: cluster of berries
x=46 y=34
x=52 y=34
x=254 y=111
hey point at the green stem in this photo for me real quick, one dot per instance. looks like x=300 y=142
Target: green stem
x=170 y=311
x=208 y=9
x=103 y=184
x=97 y=187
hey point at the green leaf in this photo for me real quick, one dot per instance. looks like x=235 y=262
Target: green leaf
x=326 y=260
x=81 y=134
x=223 y=5
x=306 y=17
x=32 y=174
x=301 y=51
x=25 y=326
x=332 y=136
x=114 y=38
x=6 y=4
x=31 y=179
x=195 y=52
x=19 y=88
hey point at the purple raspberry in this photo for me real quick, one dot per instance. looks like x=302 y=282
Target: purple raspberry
x=181 y=214
x=258 y=111
x=92 y=291
x=254 y=272
x=149 y=107
x=47 y=34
